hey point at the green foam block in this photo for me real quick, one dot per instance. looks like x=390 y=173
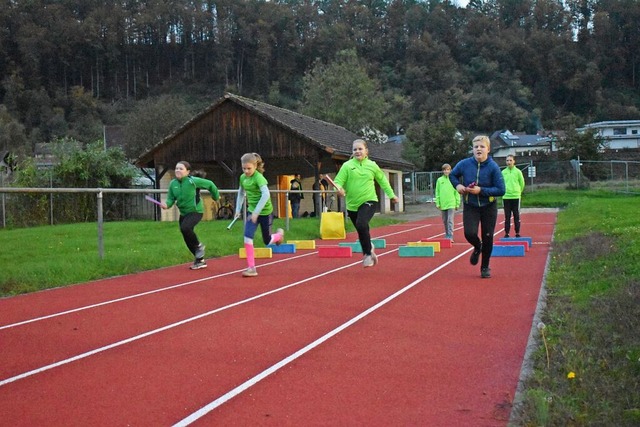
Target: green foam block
x=416 y=251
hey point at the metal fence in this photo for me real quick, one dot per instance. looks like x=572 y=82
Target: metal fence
x=617 y=175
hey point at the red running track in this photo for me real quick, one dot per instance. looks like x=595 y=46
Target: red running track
x=310 y=341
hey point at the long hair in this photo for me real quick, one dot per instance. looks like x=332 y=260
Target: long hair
x=255 y=159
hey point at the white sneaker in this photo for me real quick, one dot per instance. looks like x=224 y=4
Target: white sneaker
x=374 y=257
x=198 y=264
x=250 y=272
x=367 y=261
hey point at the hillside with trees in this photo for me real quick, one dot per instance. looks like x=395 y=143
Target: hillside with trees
x=427 y=68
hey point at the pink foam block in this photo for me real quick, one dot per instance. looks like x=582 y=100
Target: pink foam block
x=334 y=252
x=444 y=243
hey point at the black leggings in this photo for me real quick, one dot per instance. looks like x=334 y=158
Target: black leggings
x=360 y=220
x=511 y=206
x=485 y=217
x=187 y=224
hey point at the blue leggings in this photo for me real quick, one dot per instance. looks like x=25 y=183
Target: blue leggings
x=264 y=221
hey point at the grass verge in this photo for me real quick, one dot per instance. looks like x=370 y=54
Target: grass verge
x=592 y=316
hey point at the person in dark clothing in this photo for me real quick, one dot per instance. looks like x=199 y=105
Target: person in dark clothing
x=479 y=180
x=295 y=195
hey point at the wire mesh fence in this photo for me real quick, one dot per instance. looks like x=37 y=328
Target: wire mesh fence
x=617 y=175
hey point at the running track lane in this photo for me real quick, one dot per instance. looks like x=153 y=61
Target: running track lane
x=445 y=348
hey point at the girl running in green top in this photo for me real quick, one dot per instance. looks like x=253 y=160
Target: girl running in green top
x=254 y=186
x=184 y=192
x=356 y=182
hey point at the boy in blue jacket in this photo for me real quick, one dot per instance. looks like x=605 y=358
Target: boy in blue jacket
x=479 y=181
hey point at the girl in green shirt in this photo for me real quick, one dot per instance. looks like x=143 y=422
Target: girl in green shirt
x=254 y=185
x=356 y=182
x=184 y=192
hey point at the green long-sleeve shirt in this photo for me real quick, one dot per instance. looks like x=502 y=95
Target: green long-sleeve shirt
x=447 y=197
x=357 y=179
x=513 y=182
x=183 y=193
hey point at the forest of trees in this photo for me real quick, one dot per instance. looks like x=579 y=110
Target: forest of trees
x=69 y=67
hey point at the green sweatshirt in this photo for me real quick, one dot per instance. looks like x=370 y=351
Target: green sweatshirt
x=447 y=197
x=183 y=193
x=513 y=182
x=357 y=179
x=252 y=188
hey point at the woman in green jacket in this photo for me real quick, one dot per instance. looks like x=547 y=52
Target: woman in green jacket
x=356 y=182
x=184 y=192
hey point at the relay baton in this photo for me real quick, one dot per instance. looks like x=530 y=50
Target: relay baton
x=331 y=181
x=152 y=200
x=232 y=222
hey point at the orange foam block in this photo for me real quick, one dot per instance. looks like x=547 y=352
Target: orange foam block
x=303 y=244
x=335 y=252
x=434 y=245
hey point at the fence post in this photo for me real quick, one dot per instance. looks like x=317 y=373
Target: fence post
x=100 y=227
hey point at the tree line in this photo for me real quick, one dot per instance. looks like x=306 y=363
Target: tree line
x=430 y=67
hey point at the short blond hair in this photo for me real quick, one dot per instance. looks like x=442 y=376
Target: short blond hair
x=483 y=138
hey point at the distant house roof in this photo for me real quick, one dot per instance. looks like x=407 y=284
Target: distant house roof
x=611 y=124
x=330 y=138
x=505 y=138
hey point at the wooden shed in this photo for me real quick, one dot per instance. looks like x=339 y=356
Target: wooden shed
x=289 y=143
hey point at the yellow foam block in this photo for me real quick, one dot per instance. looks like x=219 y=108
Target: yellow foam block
x=435 y=245
x=303 y=244
x=257 y=253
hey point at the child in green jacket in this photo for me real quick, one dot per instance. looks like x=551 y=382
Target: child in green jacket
x=356 y=181
x=184 y=192
x=447 y=200
x=514 y=184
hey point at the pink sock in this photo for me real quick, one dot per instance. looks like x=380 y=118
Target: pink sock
x=251 y=261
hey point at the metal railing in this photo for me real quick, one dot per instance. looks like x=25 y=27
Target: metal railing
x=101 y=192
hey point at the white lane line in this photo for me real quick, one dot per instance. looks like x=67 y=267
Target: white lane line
x=113 y=301
x=167 y=327
x=262 y=375
x=178 y=285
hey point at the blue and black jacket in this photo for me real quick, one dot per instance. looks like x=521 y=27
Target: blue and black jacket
x=486 y=174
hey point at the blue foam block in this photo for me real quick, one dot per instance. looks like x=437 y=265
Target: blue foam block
x=518 y=239
x=284 y=248
x=507 y=250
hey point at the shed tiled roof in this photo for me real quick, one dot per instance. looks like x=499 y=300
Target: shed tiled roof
x=334 y=139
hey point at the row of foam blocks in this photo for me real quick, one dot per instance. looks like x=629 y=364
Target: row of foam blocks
x=284 y=248
x=505 y=247
x=511 y=246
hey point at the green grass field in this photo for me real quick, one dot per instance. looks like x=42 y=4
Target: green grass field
x=50 y=256
x=586 y=369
